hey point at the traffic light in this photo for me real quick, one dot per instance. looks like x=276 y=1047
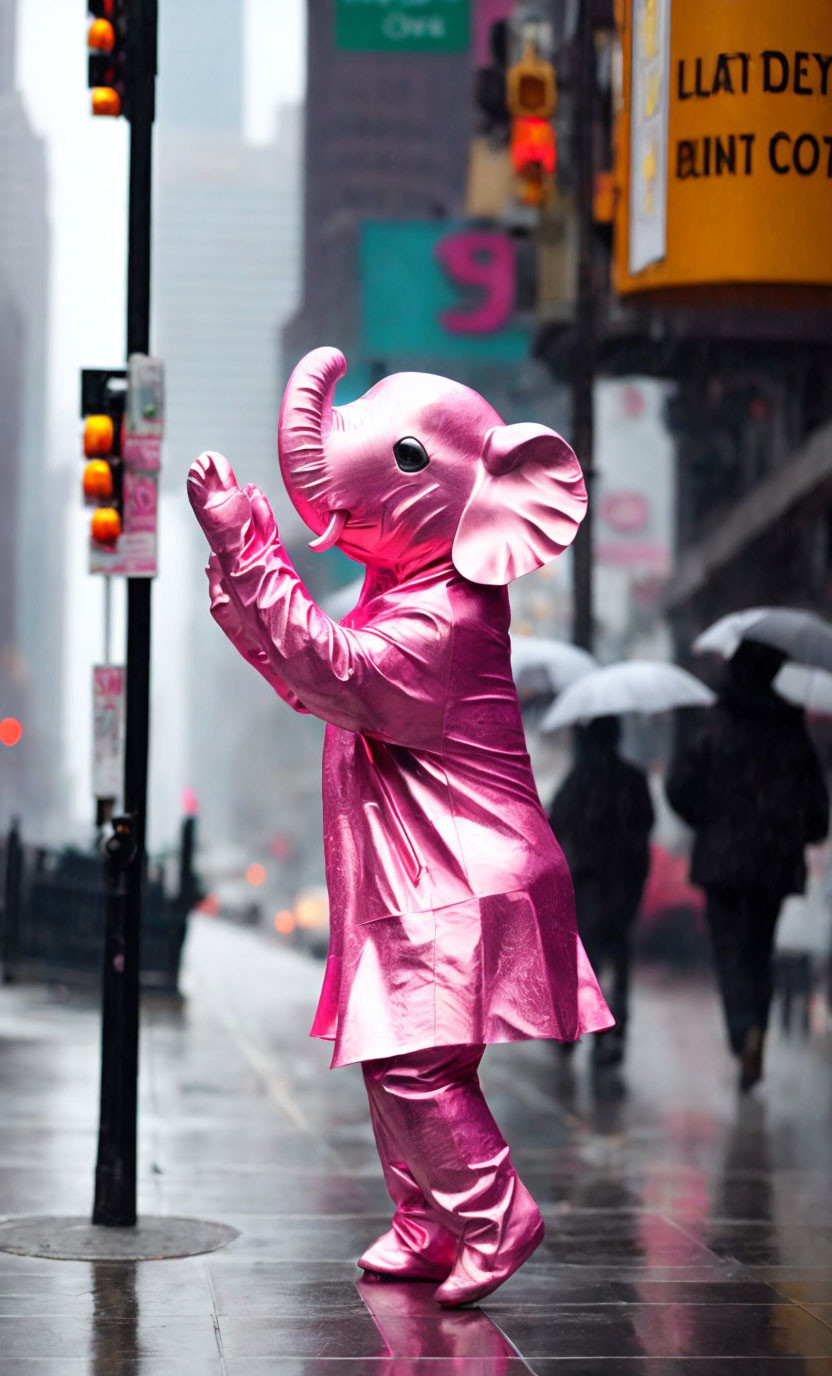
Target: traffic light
x=103 y=400
x=531 y=96
x=106 y=40
x=490 y=85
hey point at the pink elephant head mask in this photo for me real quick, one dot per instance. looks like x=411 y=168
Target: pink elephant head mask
x=421 y=469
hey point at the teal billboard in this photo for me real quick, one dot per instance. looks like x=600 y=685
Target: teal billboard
x=439 y=289
x=413 y=26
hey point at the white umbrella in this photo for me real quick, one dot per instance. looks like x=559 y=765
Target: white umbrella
x=805 y=687
x=800 y=635
x=636 y=685
x=546 y=666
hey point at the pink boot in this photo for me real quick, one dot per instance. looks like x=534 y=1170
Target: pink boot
x=418 y=1246
x=421 y=1256
x=430 y=1104
x=492 y=1251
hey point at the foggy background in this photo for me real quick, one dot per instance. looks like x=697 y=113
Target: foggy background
x=226 y=272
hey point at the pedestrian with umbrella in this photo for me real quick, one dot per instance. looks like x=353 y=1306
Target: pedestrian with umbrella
x=542 y=668
x=750 y=785
x=602 y=816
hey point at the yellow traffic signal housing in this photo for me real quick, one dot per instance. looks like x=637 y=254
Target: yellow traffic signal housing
x=531 y=88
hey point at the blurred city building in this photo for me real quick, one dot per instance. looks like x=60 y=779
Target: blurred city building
x=753 y=425
x=225 y=277
x=720 y=280
x=386 y=138
x=31 y=607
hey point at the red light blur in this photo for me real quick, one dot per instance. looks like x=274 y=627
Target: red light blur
x=10 y=731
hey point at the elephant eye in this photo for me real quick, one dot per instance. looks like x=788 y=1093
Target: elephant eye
x=410 y=455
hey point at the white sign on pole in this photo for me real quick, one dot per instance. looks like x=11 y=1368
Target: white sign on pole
x=648 y=132
x=107 y=730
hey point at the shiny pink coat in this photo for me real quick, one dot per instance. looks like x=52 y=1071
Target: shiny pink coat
x=451 y=908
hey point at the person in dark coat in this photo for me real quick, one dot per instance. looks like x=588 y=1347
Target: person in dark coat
x=602 y=817
x=750 y=785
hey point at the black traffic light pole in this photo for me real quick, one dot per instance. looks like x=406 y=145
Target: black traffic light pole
x=585 y=322
x=115 y=1172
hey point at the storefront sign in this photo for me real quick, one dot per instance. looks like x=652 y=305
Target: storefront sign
x=633 y=500
x=648 y=144
x=743 y=179
x=415 y=26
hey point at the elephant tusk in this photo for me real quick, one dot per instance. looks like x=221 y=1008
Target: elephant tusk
x=332 y=534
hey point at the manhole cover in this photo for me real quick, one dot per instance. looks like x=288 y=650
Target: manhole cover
x=76 y=1239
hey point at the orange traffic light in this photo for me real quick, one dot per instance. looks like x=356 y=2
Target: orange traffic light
x=103 y=399
x=102 y=36
x=98 y=480
x=106 y=65
x=106 y=525
x=106 y=101
x=99 y=436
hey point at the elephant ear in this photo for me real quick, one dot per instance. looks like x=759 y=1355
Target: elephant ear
x=527 y=503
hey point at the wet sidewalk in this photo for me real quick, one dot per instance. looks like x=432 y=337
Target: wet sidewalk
x=687 y=1231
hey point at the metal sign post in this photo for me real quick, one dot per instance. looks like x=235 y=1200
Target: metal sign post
x=115 y=1174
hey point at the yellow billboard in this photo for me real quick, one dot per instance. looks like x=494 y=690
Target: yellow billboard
x=724 y=144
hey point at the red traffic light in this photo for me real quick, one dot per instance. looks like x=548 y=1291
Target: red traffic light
x=533 y=145
x=10 y=731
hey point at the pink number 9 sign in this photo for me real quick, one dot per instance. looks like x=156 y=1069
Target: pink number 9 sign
x=479 y=258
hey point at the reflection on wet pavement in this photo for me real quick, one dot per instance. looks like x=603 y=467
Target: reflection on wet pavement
x=687 y=1232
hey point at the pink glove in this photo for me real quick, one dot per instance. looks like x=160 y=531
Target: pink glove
x=221 y=508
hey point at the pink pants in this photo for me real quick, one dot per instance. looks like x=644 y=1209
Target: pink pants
x=446 y=1165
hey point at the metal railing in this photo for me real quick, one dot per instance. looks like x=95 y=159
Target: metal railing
x=53 y=917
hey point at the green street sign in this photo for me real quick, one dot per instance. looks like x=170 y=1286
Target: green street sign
x=408 y=26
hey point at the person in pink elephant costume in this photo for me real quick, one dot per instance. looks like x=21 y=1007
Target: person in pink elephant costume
x=452 y=913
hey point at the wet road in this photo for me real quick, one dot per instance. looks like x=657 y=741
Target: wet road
x=687 y=1231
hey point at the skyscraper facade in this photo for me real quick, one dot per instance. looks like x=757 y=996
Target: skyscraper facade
x=387 y=137
x=30 y=524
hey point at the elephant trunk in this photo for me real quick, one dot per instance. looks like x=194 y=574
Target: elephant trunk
x=306 y=418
